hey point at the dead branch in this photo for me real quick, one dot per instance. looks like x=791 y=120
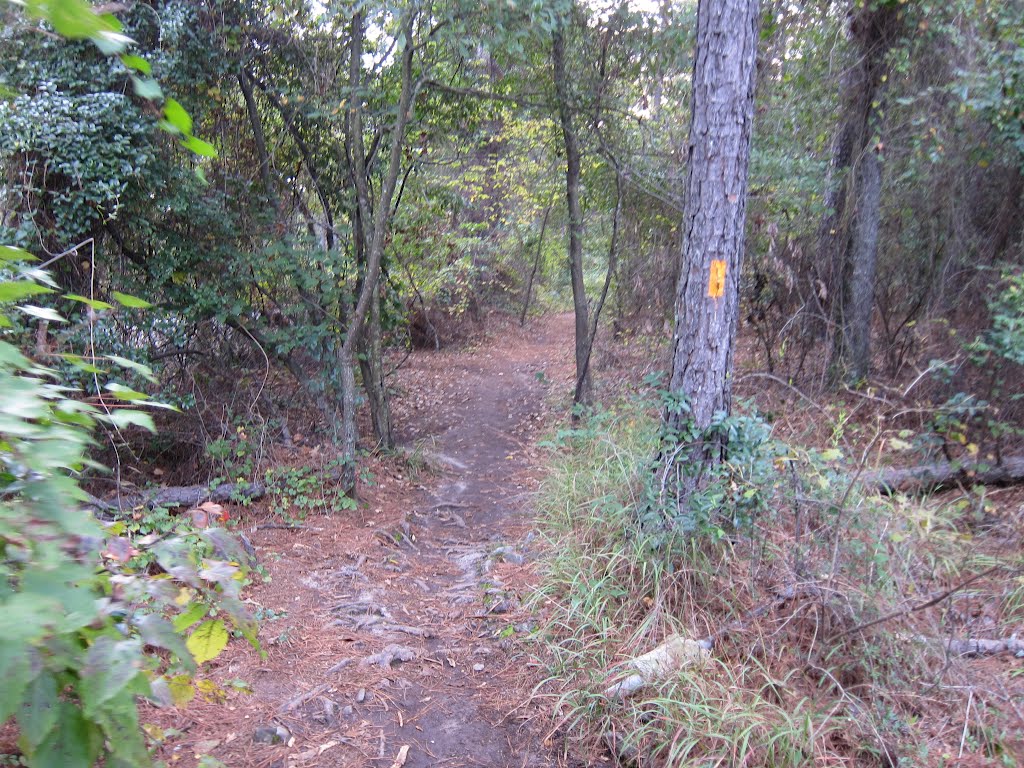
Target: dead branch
x=945 y=474
x=976 y=646
x=178 y=496
x=935 y=600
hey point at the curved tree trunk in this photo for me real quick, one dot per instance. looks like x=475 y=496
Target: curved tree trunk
x=707 y=296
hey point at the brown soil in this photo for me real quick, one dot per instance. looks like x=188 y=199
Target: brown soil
x=429 y=570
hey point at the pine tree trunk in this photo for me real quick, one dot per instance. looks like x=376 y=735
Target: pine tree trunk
x=707 y=296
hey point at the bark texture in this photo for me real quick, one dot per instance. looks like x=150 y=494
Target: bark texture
x=707 y=300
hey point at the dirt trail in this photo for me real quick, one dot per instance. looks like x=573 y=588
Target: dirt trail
x=398 y=625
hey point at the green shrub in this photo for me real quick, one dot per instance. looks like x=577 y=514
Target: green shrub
x=86 y=623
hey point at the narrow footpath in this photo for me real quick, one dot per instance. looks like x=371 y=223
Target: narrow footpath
x=395 y=633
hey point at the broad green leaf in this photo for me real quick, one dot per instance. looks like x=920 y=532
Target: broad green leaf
x=140 y=368
x=20 y=289
x=120 y=723
x=111 y=43
x=74 y=743
x=82 y=364
x=14 y=671
x=43 y=313
x=75 y=19
x=208 y=640
x=110 y=666
x=160 y=633
x=176 y=115
x=147 y=88
x=184 y=620
x=39 y=710
x=94 y=303
x=122 y=392
x=10 y=253
x=137 y=63
x=127 y=300
x=123 y=417
x=200 y=147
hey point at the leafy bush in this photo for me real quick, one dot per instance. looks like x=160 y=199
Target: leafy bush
x=84 y=630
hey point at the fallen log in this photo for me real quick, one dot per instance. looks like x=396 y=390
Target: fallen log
x=945 y=474
x=977 y=646
x=178 y=496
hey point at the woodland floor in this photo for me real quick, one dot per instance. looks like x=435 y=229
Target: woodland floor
x=429 y=572
x=395 y=634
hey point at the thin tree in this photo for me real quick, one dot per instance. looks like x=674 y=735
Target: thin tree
x=707 y=295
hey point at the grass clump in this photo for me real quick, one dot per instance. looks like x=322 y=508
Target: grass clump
x=782 y=565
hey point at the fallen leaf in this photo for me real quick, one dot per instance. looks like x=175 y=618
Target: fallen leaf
x=401 y=757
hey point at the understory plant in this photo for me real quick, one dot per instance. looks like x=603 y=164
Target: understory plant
x=781 y=566
x=90 y=618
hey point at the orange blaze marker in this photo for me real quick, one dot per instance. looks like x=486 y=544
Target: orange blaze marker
x=716 y=281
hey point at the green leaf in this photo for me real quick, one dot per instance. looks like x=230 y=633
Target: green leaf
x=94 y=303
x=176 y=115
x=122 y=392
x=76 y=19
x=200 y=147
x=75 y=743
x=127 y=300
x=82 y=364
x=208 y=641
x=160 y=633
x=140 y=368
x=137 y=63
x=20 y=289
x=120 y=723
x=123 y=417
x=147 y=88
x=110 y=667
x=14 y=671
x=39 y=710
x=9 y=253
x=184 y=620
x=43 y=313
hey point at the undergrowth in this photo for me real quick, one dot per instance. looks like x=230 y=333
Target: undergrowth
x=781 y=565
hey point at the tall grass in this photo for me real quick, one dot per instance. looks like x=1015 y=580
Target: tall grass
x=791 y=682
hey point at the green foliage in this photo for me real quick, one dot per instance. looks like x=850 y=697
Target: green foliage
x=83 y=631
x=98 y=141
x=622 y=574
x=297 y=492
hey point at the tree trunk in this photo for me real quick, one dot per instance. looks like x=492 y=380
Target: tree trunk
x=371 y=365
x=536 y=265
x=707 y=295
x=584 y=390
x=376 y=219
x=245 y=84
x=859 y=299
x=848 y=235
